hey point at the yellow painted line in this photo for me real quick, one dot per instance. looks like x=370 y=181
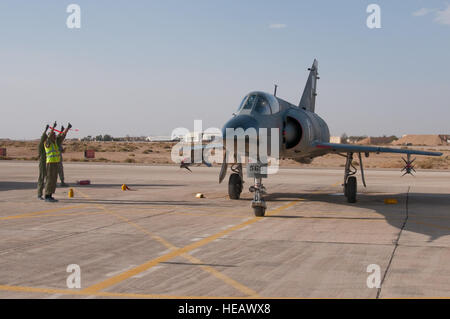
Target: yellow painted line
x=431 y=225
x=66 y=214
x=237 y=285
x=192 y=259
x=206 y=214
x=337 y=183
x=197 y=212
x=428 y=216
x=41 y=212
x=175 y=253
x=201 y=214
x=240 y=287
x=155 y=296
x=104 y=294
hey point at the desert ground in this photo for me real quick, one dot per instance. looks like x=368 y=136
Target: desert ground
x=159 y=153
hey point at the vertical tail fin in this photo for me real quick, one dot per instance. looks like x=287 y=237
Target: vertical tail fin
x=308 y=100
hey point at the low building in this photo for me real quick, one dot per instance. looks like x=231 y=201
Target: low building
x=424 y=139
x=161 y=139
x=335 y=139
x=379 y=140
x=196 y=137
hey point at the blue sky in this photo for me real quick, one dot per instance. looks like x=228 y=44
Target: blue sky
x=147 y=67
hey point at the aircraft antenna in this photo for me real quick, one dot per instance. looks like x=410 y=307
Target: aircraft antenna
x=275 y=90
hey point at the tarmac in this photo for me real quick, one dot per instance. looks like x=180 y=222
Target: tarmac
x=157 y=240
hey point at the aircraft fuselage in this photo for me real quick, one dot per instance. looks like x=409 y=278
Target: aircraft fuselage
x=297 y=127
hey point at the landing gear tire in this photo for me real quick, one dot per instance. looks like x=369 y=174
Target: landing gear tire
x=350 y=189
x=234 y=186
x=259 y=211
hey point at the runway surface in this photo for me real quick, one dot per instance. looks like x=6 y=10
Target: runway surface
x=158 y=241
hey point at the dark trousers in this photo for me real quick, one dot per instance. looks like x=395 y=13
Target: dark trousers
x=51 y=177
x=41 y=178
x=61 y=170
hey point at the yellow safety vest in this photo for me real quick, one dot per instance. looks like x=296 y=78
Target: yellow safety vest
x=52 y=153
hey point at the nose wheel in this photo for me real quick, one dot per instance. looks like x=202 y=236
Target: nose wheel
x=258 y=203
x=259 y=211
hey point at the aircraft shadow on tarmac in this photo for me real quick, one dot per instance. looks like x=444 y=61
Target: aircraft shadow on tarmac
x=9 y=186
x=424 y=213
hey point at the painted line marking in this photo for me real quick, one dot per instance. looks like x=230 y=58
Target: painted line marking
x=41 y=212
x=177 y=252
x=337 y=184
x=172 y=248
x=430 y=225
x=54 y=291
x=148 y=271
x=67 y=214
x=110 y=274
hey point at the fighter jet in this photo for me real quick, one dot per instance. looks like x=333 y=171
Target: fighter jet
x=303 y=135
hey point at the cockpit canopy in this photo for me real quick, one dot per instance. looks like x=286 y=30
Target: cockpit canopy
x=259 y=102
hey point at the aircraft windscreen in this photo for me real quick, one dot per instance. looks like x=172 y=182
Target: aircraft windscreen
x=250 y=102
x=242 y=103
x=262 y=106
x=260 y=102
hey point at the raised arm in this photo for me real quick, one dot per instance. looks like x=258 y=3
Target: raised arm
x=44 y=134
x=52 y=131
x=63 y=133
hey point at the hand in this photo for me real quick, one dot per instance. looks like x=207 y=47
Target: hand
x=46 y=128
x=54 y=125
x=62 y=128
x=69 y=126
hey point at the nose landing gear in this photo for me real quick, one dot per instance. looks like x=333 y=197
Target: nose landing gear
x=235 y=186
x=258 y=203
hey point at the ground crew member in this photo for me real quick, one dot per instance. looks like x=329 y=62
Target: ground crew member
x=60 y=165
x=53 y=157
x=42 y=164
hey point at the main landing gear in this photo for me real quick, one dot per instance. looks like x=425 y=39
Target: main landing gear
x=350 y=183
x=235 y=183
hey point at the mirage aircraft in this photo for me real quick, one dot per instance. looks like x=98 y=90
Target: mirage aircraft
x=303 y=135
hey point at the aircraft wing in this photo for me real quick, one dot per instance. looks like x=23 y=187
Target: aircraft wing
x=336 y=148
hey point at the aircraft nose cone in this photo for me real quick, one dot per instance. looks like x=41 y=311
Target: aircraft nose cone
x=240 y=121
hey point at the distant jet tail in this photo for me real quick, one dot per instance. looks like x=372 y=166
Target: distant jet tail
x=308 y=100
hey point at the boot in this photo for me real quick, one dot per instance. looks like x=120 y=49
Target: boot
x=50 y=199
